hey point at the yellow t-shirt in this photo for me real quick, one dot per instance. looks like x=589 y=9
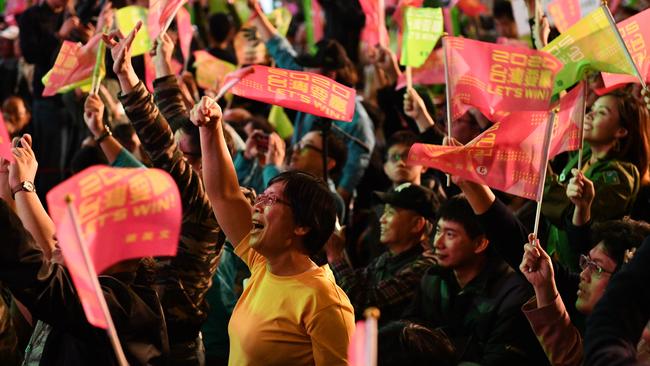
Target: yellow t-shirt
x=289 y=320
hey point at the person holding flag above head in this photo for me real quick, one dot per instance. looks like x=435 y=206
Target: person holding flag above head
x=332 y=61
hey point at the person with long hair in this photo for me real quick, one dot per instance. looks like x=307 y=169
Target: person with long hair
x=615 y=159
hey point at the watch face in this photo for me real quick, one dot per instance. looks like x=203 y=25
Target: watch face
x=29 y=186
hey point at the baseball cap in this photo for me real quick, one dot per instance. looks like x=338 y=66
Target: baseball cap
x=412 y=197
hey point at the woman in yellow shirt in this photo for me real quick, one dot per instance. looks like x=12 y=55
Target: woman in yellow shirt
x=291 y=311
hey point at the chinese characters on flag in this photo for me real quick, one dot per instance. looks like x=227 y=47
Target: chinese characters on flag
x=507 y=156
x=497 y=78
x=564 y=13
x=5 y=141
x=302 y=91
x=636 y=35
x=423 y=27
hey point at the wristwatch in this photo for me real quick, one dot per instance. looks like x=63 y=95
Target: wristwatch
x=26 y=186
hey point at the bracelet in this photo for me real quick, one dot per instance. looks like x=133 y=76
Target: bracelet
x=103 y=136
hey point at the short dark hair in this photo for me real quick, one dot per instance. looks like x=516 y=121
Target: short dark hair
x=405 y=343
x=220 y=24
x=618 y=236
x=337 y=150
x=312 y=204
x=404 y=137
x=458 y=209
x=503 y=9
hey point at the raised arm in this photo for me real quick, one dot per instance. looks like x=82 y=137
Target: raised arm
x=93 y=116
x=28 y=205
x=231 y=208
x=265 y=29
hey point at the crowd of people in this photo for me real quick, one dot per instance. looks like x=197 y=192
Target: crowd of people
x=287 y=239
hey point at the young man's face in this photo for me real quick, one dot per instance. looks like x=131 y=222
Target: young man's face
x=396 y=168
x=452 y=245
x=592 y=283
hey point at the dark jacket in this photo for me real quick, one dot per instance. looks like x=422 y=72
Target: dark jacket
x=615 y=326
x=46 y=289
x=185 y=280
x=616 y=184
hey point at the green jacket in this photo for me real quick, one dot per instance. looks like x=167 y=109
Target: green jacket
x=616 y=184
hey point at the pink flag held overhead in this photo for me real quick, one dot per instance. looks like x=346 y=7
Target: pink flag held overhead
x=564 y=13
x=507 y=156
x=566 y=131
x=432 y=72
x=123 y=213
x=185 y=31
x=161 y=13
x=636 y=35
x=5 y=141
x=374 y=32
x=497 y=79
x=303 y=91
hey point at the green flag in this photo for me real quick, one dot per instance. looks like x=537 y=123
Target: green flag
x=593 y=43
x=423 y=27
x=279 y=120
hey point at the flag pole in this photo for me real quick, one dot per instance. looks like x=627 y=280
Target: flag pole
x=581 y=132
x=112 y=333
x=381 y=9
x=447 y=96
x=371 y=314
x=542 y=168
x=99 y=61
x=612 y=24
x=169 y=21
x=409 y=77
x=537 y=24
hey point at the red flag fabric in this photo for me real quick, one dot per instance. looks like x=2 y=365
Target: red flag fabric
x=374 y=32
x=496 y=78
x=431 y=72
x=185 y=32
x=74 y=63
x=507 y=156
x=636 y=34
x=303 y=91
x=564 y=13
x=5 y=141
x=161 y=13
x=124 y=213
x=566 y=131
x=472 y=8
x=121 y=214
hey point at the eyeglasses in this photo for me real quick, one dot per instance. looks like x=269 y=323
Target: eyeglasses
x=302 y=146
x=586 y=262
x=395 y=157
x=267 y=200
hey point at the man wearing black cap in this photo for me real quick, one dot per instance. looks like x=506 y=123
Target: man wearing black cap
x=391 y=280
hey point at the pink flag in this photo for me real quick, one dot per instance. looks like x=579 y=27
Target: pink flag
x=5 y=141
x=636 y=34
x=302 y=91
x=564 y=13
x=15 y=7
x=566 y=131
x=497 y=79
x=374 y=31
x=161 y=13
x=73 y=64
x=472 y=8
x=185 y=31
x=357 y=347
x=507 y=156
x=317 y=18
x=123 y=213
x=431 y=72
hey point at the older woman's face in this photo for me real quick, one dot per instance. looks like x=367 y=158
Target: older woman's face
x=273 y=225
